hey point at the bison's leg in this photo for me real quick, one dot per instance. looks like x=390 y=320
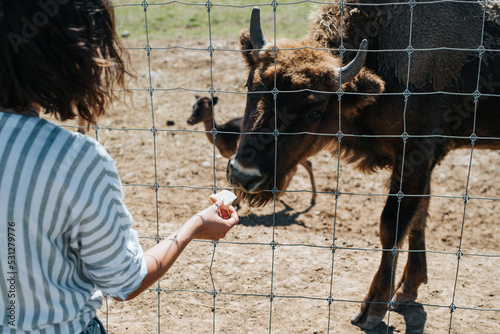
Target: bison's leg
x=287 y=181
x=415 y=272
x=393 y=229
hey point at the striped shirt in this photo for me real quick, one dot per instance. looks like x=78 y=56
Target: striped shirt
x=65 y=233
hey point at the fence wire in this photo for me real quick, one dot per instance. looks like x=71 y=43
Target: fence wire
x=271 y=296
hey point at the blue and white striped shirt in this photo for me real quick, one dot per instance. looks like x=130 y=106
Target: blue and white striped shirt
x=65 y=233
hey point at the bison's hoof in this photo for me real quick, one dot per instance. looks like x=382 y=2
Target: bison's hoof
x=401 y=300
x=367 y=317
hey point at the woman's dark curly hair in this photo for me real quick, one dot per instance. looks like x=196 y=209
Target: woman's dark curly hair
x=62 y=54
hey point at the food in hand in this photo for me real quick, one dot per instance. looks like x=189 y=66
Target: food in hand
x=226 y=198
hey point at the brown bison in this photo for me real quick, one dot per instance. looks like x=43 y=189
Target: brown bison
x=425 y=83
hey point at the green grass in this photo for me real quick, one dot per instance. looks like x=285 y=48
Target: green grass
x=167 y=19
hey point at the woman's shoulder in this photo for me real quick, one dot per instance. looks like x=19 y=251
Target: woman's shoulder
x=76 y=146
x=86 y=147
x=51 y=140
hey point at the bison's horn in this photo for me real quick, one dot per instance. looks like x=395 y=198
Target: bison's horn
x=354 y=67
x=256 y=33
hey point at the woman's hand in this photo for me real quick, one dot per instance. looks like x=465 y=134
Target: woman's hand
x=208 y=225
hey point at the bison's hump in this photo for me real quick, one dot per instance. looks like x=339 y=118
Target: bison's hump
x=434 y=29
x=436 y=26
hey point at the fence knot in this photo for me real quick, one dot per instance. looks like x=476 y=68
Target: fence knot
x=154 y=130
x=466 y=198
x=473 y=138
x=390 y=304
x=156 y=186
x=341 y=49
x=215 y=189
x=274 y=4
x=333 y=247
x=410 y=50
x=275 y=92
x=405 y=136
x=400 y=195
x=275 y=191
x=145 y=5
x=452 y=307
x=209 y=5
x=339 y=135
x=340 y=92
x=150 y=90
x=406 y=94
x=477 y=95
x=329 y=300
x=395 y=251
x=273 y=244
x=214 y=132
x=148 y=49
x=459 y=254
x=481 y=50
x=271 y=296
x=337 y=193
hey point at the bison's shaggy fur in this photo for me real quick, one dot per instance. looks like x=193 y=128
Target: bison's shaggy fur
x=439 y=25
x=430 y=84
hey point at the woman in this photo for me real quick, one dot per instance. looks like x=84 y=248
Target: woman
x=66 y=236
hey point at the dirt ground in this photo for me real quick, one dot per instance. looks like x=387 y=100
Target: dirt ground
x=301 y=272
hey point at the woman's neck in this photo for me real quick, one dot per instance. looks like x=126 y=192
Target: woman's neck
x=33 y=110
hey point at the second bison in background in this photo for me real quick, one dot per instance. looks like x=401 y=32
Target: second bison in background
x=430 y=87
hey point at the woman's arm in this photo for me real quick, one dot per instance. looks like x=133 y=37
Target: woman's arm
x=204 y=225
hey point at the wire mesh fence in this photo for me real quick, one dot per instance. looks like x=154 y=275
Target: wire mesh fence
x=273 y=275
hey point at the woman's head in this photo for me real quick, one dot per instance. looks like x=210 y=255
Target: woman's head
x=61 y=54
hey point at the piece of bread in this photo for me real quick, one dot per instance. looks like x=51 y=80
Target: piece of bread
x=225 y=196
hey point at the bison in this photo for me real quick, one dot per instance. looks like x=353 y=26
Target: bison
x=424 y=82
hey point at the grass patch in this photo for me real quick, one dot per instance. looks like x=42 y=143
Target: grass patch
x=167 y=20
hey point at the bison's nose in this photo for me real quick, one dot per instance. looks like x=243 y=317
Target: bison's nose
x=247 y=179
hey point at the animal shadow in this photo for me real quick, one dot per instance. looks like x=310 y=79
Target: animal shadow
x=414 y=317
x=281 y=218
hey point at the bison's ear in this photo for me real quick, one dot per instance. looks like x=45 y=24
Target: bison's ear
x=246 y=45
x=365 y=82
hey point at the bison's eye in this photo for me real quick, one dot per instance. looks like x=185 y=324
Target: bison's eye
x=315 y=115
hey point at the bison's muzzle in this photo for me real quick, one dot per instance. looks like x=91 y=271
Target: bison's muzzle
x=250 y=180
